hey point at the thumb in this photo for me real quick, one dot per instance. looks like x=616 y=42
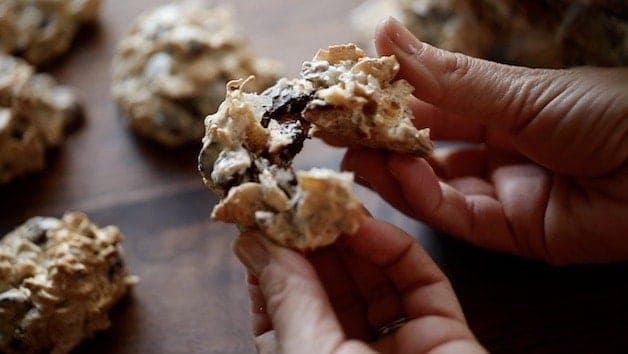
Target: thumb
x=296 y=301
x=549 y=115
x=481 y=90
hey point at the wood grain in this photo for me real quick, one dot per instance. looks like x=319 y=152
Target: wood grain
x=192 y=297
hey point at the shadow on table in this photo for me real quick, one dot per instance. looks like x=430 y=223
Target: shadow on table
x=125 y=327
x=515 y=305
x=27 y=196
x=182 y=160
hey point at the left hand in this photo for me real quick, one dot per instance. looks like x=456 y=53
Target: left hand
x=342 y=298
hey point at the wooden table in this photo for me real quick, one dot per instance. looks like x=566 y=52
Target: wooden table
x=192 y=297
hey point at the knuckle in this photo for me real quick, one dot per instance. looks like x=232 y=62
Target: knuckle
x=277 y=291
x=457 y=65
x=529 y=96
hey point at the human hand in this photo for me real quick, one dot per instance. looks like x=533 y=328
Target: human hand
x=547 y=177
x=334 y=300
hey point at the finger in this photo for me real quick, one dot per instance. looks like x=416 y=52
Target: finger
x=548 y=114
x=477 y=219
x=380 y=295
x=265 y=340
x=425 y=289
x=330 y=139
x=460 y=161
x=485 y=92
x=369 y=167
x=473 y=186
x=342 y=291
x=524 y=192
x=260 y=321
x=443 y=124
x=266 y=343
x=434 y=334
x=448 y=126
x=296 y=302
x=463 y=161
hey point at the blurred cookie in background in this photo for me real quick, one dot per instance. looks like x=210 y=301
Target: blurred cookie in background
x=35 y=113
x=534 y=33
x=41 y=30
x=170 y=70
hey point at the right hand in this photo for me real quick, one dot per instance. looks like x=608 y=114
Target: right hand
x=547 y=177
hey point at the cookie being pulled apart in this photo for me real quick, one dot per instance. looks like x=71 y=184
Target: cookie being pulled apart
x=58 y=280
x=251 y=141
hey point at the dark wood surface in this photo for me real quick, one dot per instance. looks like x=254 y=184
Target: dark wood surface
x=192 y=298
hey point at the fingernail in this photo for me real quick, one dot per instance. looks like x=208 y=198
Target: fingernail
x=401 y=37
x=252 y=253
x=362 y=181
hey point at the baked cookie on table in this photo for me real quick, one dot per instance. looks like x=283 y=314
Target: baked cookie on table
x=35 y=113
x=171 y=68
x=58 y=280
x=41 y=30
x=251 y=141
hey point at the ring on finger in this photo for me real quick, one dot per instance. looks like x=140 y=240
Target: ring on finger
x=391 y=327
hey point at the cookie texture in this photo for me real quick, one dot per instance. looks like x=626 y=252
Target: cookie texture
x=40 y=30
x=534 y=33
x=251 y=141
x=357 y=100
x=58 y=280
x=35 y=112
x=171 y=69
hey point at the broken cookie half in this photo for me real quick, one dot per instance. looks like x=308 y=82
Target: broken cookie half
x=251 y=141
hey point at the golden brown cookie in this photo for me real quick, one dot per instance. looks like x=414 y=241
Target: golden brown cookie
x=171 y=68
x=58 y=281
x=34 y=114
x=40 y=30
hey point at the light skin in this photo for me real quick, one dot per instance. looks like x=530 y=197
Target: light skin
x=545 y=177
x=335 y=299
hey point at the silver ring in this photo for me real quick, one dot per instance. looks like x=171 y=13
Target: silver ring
x=391 y=327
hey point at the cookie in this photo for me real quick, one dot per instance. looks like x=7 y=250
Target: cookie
x=251 y=141
x=171 y=69
x=58 y=280
x=40 y=30
x=357 y=100
x=34 y=114
x=530 y=33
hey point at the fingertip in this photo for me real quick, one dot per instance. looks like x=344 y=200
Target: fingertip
x=367 y=213
x=410 y=170
x=383 y=42
x=252 y=252
x=419 y=183
x=355 y=158
x=348 y=160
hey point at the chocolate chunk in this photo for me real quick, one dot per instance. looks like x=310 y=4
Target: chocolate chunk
x=287 y=109
x=116 y=265
x=288 y=104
